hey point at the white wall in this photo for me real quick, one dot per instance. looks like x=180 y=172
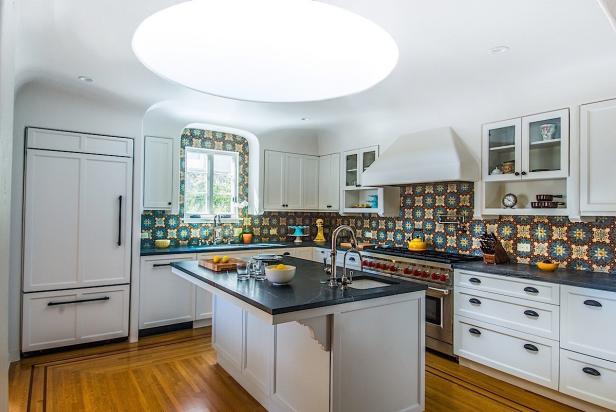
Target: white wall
x=61 y=107
x=7 y=91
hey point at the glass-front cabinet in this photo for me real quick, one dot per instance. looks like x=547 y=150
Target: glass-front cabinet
x=530 y=147
x=356 y=162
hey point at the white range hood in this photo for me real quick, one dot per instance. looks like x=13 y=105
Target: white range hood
x=435 y=155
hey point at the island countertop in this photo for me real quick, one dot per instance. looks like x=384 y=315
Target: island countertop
x=304 y=292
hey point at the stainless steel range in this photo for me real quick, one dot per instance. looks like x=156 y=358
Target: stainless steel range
x=429 y=267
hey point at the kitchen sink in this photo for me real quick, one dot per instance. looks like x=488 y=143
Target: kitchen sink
x=365 y=282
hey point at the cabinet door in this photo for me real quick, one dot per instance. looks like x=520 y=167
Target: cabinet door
x=329 y=182
x=158 y=173
x=51 y=221
x=293 y=181
x=585 y=316
x=310 y=182
x=227 y=334
x=597 y=165
x=366 y=158
x=351 y=169
x=545 y=145
x=105 y=220
x=103 y=313
x=274 y=181
x=502 y=150
x=203 y=304
x=165 y=298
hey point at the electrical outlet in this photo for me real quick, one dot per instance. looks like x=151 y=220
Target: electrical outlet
x=368 y=235
x=145 y=235
x=523 y=247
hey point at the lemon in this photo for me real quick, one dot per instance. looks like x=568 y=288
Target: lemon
x=225 y=259
x=280 y=266
x=216 y=259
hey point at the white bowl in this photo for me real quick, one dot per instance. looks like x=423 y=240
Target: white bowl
x=279 y=276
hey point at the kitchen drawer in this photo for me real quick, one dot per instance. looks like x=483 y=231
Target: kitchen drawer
x=536 y=318
x=510 y=286
x=588 y=378
x=532 y=358
x=63 y=318
x=320 y=253
x=587 y=318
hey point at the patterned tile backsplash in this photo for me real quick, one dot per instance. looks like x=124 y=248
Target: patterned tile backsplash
x=585 y=246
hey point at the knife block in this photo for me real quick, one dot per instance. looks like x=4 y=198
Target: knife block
x=500 y=255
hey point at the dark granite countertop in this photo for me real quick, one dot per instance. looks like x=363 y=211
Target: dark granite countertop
x=226 y=247
x=563 y=276
x=304 y=292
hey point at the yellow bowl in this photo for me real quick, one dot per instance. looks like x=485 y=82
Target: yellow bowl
x=162 y=243
x=547 y=267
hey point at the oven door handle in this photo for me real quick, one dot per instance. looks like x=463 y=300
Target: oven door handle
x=443 y=291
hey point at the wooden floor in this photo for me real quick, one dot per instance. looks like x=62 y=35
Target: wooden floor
x=178 y=372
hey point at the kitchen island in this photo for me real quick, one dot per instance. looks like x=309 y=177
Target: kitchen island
x=308 y=347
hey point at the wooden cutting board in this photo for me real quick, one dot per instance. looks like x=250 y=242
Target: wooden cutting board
x=360 y=245
x=219 y=267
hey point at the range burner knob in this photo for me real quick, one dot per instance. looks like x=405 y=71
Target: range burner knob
x=407 y=271
x=416 y=272
x=393 y=268
x=444 y=278
x=425 y=274
x=436 y=276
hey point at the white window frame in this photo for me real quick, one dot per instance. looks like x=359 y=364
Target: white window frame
x=235 y=218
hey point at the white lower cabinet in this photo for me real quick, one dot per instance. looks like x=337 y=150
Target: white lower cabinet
x=588 y=378
x=164 y=298
x=63 y=318
x=535 y=318
x=519 y=354
x=586 y=314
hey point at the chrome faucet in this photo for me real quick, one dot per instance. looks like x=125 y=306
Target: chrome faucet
x=333 y=279
x=217 y=229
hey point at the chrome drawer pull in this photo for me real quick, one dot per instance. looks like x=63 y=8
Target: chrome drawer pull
x=531 y=313
x=530 y=347
x=475 y=301
x=68 y=302
x=591 y=371
x=593 y=303
x=474 y=331
x=530 y=289
x=475 y=281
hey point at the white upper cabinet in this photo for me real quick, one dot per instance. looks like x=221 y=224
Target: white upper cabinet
x=527 y=148
x=160 y=174
x=310 y=182
x=597 y=165
x=329 y=182
x=355 y=162
x=79 y=142
x=274 y=181
x=291 y=181
x=77 y=226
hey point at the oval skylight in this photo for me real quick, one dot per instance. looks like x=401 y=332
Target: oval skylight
x=266 y=50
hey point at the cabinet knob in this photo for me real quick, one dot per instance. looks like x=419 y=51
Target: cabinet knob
x=591 y=371
x=530 y=347
x=593 y=303
x=169 y=203
x=474 y=331
x=530 y=289
x=523 y=173
x=475 y=281
x=475 y=301
x=531 y=313
x=517 y=173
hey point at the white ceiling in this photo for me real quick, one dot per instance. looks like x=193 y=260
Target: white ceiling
x=445 y=65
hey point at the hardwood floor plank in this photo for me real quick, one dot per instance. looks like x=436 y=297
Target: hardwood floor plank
x=178 y=371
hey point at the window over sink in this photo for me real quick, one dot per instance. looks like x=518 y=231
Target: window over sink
x=210 y=184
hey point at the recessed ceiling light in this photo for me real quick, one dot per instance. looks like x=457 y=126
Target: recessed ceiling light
x=499 y=49
x=266 y=50
x=305 y=118
x=85 y=79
